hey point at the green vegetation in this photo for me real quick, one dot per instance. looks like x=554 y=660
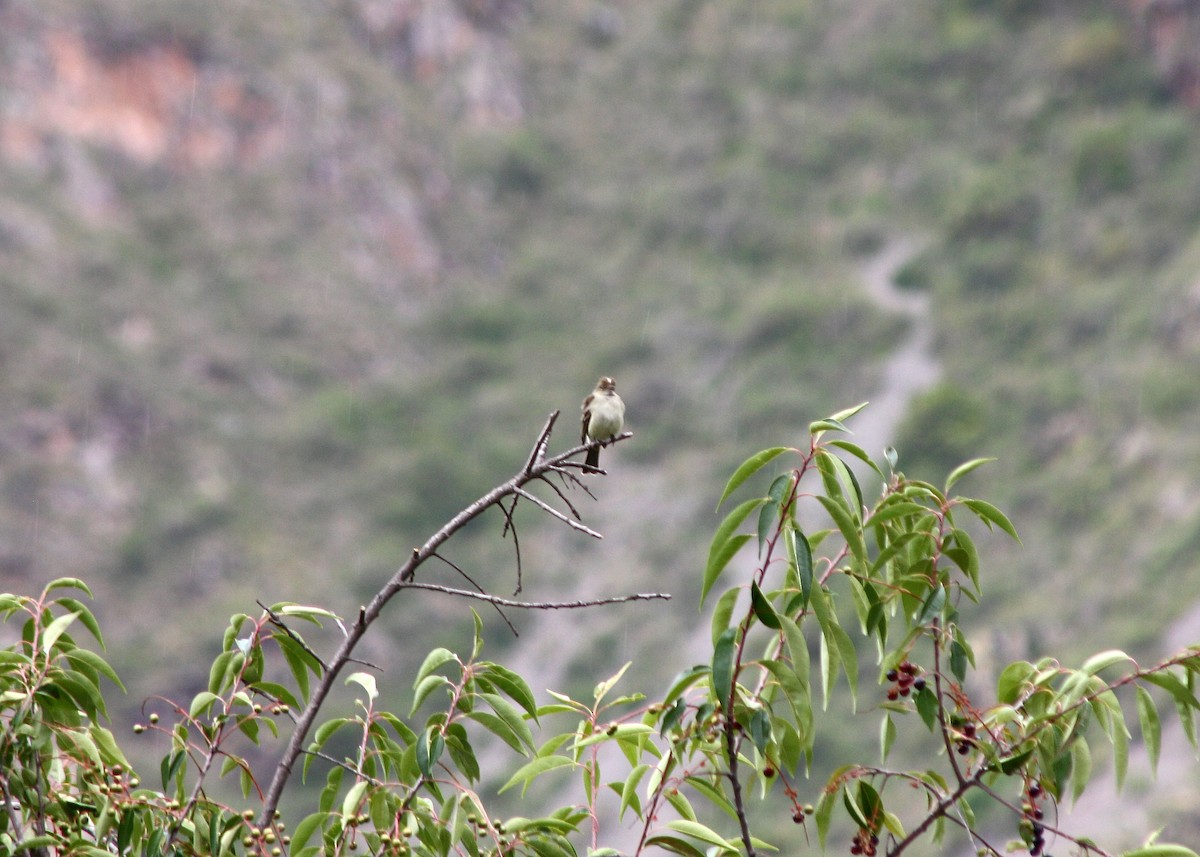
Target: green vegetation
x=272 y=370
x=718 y=760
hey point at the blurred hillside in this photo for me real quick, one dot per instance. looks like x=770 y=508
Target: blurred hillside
x=283 y=288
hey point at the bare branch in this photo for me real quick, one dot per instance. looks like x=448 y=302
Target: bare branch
x=540 y=605
x=550 y=510
x=537 y=466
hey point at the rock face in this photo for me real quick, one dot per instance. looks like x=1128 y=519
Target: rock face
x=154 y=102
x=155 y=98
x=1170 y=30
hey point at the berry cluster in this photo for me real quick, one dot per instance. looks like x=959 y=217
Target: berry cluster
x=864 y=842
x=905 y=679
x=963 y=745
x=1031 y=823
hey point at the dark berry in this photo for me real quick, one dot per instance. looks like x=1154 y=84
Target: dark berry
x=905 y=690
x=798 y=817
x=892 y=675
x=893 y=694
x=908 y=668
x=919 y=684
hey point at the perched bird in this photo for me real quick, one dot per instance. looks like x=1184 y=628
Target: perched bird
x=603 y=417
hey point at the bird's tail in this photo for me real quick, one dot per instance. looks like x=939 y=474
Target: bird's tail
x=593 y=456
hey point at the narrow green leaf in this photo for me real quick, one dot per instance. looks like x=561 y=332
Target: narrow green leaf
x=56 y=629
x=514 y=686
x=963 y=469
x=1081 y=767
x=1120 y=743
x=1151 y=726
x=674 y=844
x=846 y=523
x=530 y=771
x=990 y=515
x=85 y=617
x=748 y=468
x=702 y=833
x=432 y=661
x=601 y=689
x=725 y=544
x=1103 y=660
x=723 y=612
x=683 y=681
x=722 y=667
x=66 y=583
x=933 y=606
x=762 y=607
x=887 y=736
x=858 y=452
x=507 y=712
x=800 y=556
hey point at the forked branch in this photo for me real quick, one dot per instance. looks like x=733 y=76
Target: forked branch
x=537 y=467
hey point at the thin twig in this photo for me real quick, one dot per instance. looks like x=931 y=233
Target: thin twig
x=478 y=588
x=510 y=526
x=550 y=510
x=539 y=605
x=279 y=623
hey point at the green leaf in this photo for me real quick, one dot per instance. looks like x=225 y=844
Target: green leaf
x=427 y=686
x=702 y=833
x=366 y=681
x=846 y=523
x=723 y=612
x=800 y=556
x=963 y=469
x=56 y=629
x=990 y=515
x=514 y=686
x=722 y=667
x=1081 y=767
x=201 y=703
x=66 y=583
x=674 y=844
x=1013 y=680
x=763 y=608
x=85 y=617
x=601 y=689
x=837 y=649
x=530 y=771
x=429 y=750
x=887 y=736
x=933 y=606
x=748 y=468
x=725 y=544
x=1103 y=660
x=1163 y=850
x=1151 y=726
x=432 y=661
x=1120 y=742
x=683 y=681
x=858 y=452
x=507 y=712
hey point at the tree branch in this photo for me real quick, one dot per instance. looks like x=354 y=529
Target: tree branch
x=536 y=466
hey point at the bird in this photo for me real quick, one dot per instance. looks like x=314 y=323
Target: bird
x=603 y=417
